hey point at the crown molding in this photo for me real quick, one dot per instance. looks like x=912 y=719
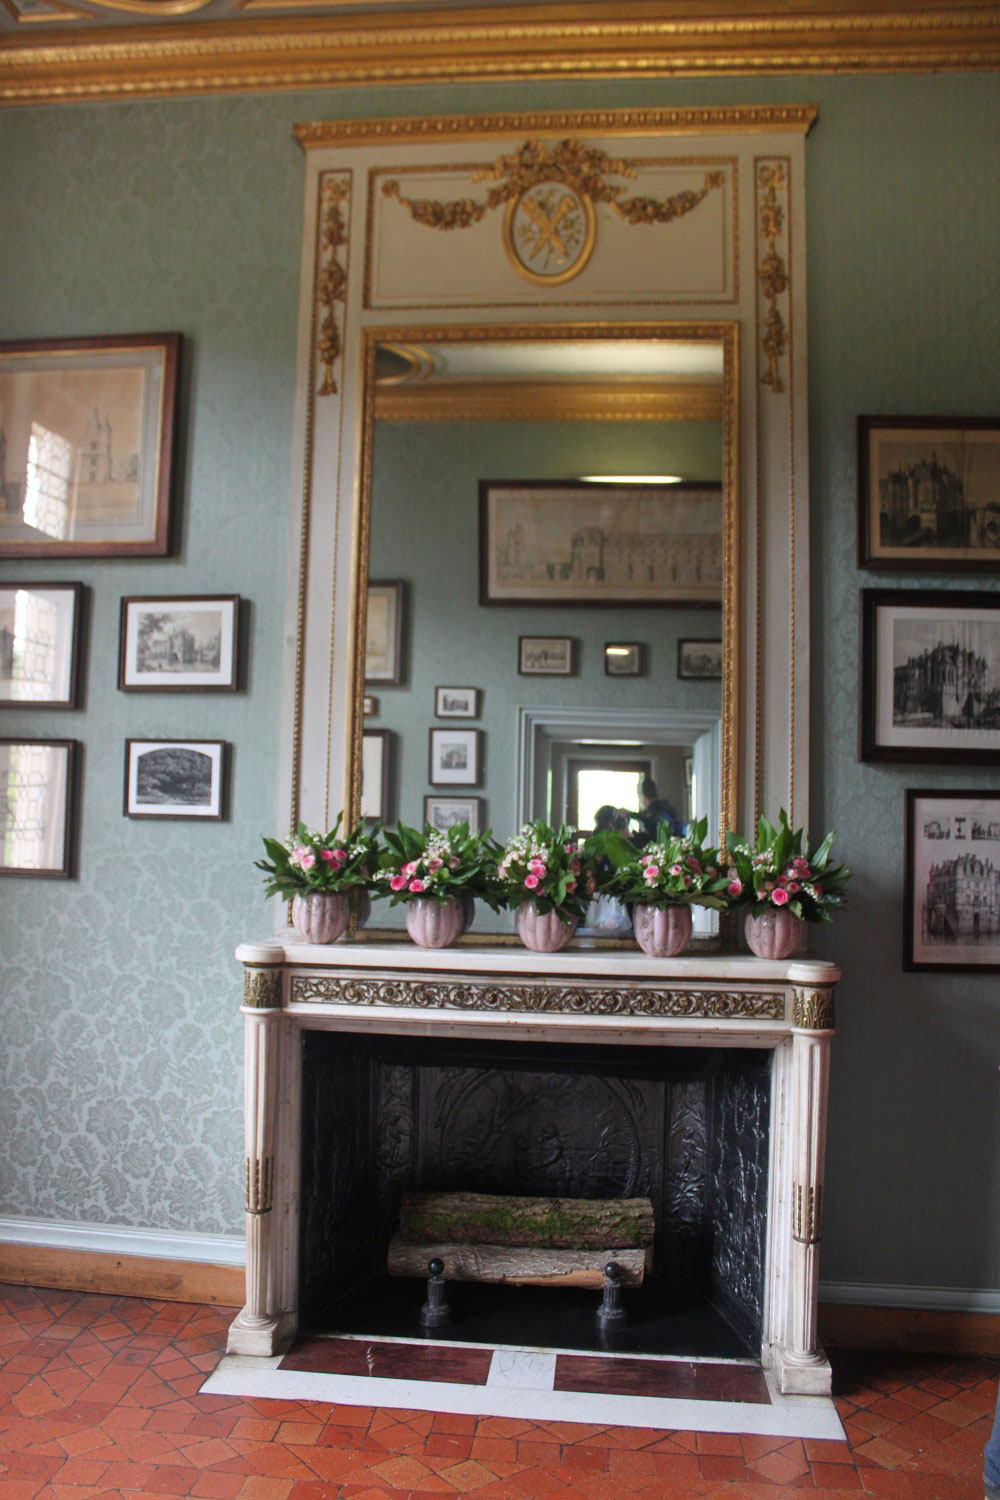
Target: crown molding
x=632 y=39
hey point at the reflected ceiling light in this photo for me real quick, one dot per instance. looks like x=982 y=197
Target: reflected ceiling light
x=631 y=479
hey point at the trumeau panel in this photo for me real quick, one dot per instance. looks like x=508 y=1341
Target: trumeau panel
x=733 y=260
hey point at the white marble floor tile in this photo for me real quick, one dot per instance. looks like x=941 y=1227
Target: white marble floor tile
x=522 y=1371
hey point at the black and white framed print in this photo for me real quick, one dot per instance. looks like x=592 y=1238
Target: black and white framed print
x=545 y=655
x=952 y=896
x=699 y=658
x=376 y=755
x=384 y=632
x=623 y=659
x=175 y=779
x=930 y=676
x=443 y=813
x=454 y=757
x=929 y=494
x=40 y=628
x=456 y=702
x=178 y=643
x=37 y=791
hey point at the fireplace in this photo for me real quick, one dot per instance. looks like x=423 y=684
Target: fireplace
x=699 y=1083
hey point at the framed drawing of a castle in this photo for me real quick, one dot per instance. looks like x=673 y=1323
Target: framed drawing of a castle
x=929 y=493
x=930 y=676
x=574 y=543
x=952 y=899
x=86 y=440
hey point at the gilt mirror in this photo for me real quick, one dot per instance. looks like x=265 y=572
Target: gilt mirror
x=546 y=576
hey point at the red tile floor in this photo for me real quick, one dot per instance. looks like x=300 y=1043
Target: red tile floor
x=99 y=1401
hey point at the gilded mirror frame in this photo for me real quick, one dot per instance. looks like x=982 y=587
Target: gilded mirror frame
x=725 y=334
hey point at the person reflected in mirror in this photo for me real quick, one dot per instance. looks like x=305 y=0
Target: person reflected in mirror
x=654 y=810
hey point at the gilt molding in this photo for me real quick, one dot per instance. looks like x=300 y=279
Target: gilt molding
x=262 y=989
x=813 y=1010
x=807 y=1214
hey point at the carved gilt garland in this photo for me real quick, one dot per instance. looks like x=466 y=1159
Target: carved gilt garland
x=773 y=272
x=332 y=285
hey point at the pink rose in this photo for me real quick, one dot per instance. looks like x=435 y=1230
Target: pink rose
x=575 y=866
x=567 y=848
x=536 y=867
x=793 y=887
x=782 y=880
x=780 y=897
x=416 y=885
x=676 y=870
x=328 y=857
x=571 y=885
x=397 y=882
x=434 y=864
x=648 y=859
x=735 y=888
x=307 y=861
x=694 y=865
x=297 y=855
x=531 y=881
x=650 y=873
x=687 y=880
x=454 y=862
x=411 y=868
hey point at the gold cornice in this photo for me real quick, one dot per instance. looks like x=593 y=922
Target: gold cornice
x=547 y=401
x=504 y=43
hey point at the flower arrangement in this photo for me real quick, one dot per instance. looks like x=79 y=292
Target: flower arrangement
x=676 y=870
x=550 y=869
x=309 y=863
x=780 y=873
x=437 y=866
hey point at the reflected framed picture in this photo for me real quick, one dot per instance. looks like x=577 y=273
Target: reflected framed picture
x=443 y=813
x=88 y=427
x=40 y=630
x=178 y=644
x=376 y=755
x=545 y=655
x=623 y=659
x=699 y=658
x=456 y=702
x=175 y=779
x=37 y=815
x=384 y=632
x=952 y=895
x=930 y=676
x=552 y=542
x=929 y=494
x=454 y=757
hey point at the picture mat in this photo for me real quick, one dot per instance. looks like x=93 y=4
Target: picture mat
x=903 y=631
x=454 y=757
x=43 y=620
x=203 y=619
x=194 y=769
x=382 y=634
x=444 y=812
x=61 y=392
x=971 y=454
x=955 y=820
x=529 y=553
x=34 y=788
x=373 y=752
x=539 y=656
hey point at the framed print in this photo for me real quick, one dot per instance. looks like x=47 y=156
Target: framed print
x=384 y=633
x=930 y=676
x=369 y=706
x=40 y=627
x=443 y=813
x=174 y=778
x=545 y=655
x=551 y=542
x=698 y=658
x=454 y=757
x=456 y=702
x=37 y=788
x=88 y=428
x=376 y=747
x=929 y=493
x=623 y=659
x=178 y=644
x=952 y=896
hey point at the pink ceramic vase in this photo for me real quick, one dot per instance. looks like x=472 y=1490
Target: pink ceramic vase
x=320 y=916
x=661 y=931
x=542 y=934
x=773 y=932
x=435 y=924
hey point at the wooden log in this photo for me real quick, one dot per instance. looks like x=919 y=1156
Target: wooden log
x=550 y=1223
x=516 y=1265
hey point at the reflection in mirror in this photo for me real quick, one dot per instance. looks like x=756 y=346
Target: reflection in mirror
x=560 y=647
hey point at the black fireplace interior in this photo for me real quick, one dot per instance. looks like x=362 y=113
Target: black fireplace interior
x=685 y=1127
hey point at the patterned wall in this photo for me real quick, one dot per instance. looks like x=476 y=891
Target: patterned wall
x=119 y=1089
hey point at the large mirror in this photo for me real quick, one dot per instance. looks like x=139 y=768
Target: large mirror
x=546 y=577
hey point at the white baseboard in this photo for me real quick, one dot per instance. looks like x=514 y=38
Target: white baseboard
x=116 y=1239
x=964 y=1299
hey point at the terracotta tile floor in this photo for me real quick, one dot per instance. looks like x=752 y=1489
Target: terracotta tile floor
x=99 y=1398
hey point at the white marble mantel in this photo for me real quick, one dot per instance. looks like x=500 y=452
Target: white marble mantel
x=582 y=995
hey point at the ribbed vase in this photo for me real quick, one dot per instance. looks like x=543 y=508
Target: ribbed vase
x=773 y=933
x=435 y=924
x=661 y=931
x=320 y=916
x=542 y=933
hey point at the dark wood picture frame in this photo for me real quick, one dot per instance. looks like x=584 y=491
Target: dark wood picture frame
x=948 y=479
x=153 y=415
x=179 y=676
x=70 y=645
x=624 y=659
x=476 y=824
x=179 y=809
x=385 y=739
x=879 y=689
x=949 y=850
x=443 y=713
x=67 y=808
x=525 y=642
x=473 y=770
x=684 y=673
x=392 y=676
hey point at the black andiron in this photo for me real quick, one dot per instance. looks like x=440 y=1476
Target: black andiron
x=435 y=1312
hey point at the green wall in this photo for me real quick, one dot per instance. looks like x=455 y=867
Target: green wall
x=119 y=1097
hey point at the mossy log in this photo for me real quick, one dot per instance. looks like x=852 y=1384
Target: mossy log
x=517 y=1265
x=539 y=1223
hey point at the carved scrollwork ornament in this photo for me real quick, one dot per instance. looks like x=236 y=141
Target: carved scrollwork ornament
x=773 y=272
x=814 y=1010
x=262 y=989
x=331 y=288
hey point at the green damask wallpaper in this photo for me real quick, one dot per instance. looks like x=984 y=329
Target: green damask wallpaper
x=120 y=1071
